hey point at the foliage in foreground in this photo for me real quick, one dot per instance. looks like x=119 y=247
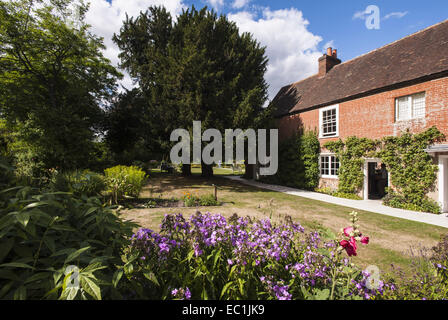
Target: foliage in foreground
x=43 y=234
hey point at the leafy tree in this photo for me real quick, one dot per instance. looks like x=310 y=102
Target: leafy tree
x=54 y=80
x=197 y=68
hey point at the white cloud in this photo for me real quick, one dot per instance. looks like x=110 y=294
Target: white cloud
x=292 y=49
x=107 y=18
x=398 y=15
x=360 y=15
x=238 y=4
x=216 y=4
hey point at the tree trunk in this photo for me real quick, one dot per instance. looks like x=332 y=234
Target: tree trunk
x=207 y=170
x=186 y=170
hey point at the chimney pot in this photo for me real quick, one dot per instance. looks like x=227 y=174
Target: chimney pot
x=328 y=61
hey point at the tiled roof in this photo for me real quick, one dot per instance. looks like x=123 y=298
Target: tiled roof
x=415 y=57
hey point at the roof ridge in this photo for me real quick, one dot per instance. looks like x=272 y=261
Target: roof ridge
x=377 y=49
x=394 y=42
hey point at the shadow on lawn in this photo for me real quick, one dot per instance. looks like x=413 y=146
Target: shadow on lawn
x=163 y=182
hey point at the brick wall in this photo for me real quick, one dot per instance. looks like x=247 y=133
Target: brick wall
x=374 y=116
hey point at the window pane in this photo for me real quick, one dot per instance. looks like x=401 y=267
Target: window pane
x=403 y=108
x=329 y=123
x=418 y=105
x=334 y=166
x=325 y=165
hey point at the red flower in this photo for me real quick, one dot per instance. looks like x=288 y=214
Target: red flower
x=349 y=246
x=365 y=240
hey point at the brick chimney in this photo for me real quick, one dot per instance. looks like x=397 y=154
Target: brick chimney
x=328 y=61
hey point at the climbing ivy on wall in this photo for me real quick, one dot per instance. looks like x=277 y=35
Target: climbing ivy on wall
x=351 y=154
x=413 y=173
x=298 y=162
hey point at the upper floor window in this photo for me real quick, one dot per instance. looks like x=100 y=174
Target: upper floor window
x=410 y=107
x=329 y=122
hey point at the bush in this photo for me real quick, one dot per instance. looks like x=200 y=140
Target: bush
x=123 y=181
x=79 y=183
x=395 y=200
x=42 y=234
x=338 y=194
x=191 y=200
x=208 y=200
x=346 y=195
x=211 y=257
x=298 y=162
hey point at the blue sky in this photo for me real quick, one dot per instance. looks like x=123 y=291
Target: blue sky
x=333 y=20
x=295 y=33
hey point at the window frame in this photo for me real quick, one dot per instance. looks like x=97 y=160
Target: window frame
x=410 y=98
x=321 y=131
x=330 y=162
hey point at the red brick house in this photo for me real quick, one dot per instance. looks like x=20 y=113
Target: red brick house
x=382 y=93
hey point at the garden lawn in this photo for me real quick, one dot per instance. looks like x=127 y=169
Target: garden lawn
x=391 y=239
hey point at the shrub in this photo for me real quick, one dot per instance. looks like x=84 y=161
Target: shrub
x=211 y=257
x=396 y=200
x=42 y=234
x=79 y=183
x=347 y=195
x=191 y=200
x=124 y=181
x=298 y=162
x=208 y=200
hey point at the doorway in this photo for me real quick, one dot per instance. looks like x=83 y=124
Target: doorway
x=443 y=182
x=376 y=179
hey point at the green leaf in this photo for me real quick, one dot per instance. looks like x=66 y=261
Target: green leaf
x=20 y=293
x=68 y=293
x=226 y=287
x=90 y=287
x=116 y=277
x=16 y=265
x=92 y=267
x=91 y=210
x=152 y=277
x=37 y=277
x=323 y=294
x=23 y=217
x=75 y=254
x=241 y=286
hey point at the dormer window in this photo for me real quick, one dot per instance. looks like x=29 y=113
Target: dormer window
x=329 y=122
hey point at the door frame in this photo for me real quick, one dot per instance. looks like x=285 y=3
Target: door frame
x=365 y=191
x=443 y=182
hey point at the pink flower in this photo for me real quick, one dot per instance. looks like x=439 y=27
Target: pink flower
x=347 y=231
x=365 y=240
x=349 y=246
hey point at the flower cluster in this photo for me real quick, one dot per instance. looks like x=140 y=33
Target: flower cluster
x=181 y=294
x=352 y=234
x=282 y=255
x=277 y=288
